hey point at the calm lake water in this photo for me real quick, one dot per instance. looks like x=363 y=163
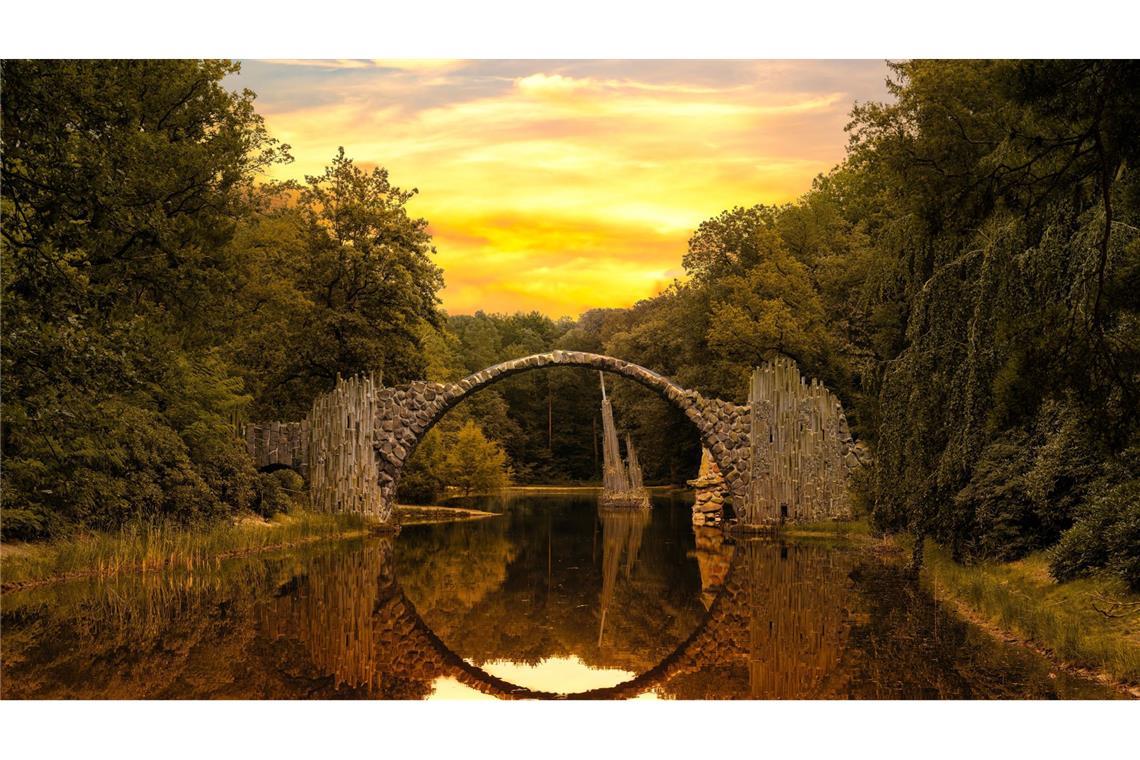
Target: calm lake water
x=549 y=597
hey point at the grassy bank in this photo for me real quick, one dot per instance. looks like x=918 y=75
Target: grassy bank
x=840 y=528
x=1091 y=624
x=164 y=545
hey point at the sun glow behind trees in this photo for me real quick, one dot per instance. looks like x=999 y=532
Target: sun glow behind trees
x=561 y=186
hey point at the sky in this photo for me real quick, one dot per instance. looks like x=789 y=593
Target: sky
x=560 y=186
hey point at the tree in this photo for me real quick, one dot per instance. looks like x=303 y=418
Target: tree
x=1001 y=200
x=731 y=243
x=122 y=185
x=475 y=464
x=355 y=288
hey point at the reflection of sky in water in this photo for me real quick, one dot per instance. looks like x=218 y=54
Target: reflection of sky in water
x=554 y=674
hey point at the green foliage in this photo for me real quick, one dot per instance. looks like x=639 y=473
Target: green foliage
x=1105 y=535
x=1085 y=622
x=340 y=281
x=154 y=294
x=1024 y=488
x=278 y=492
x=462 y=458
x=122 y=183
x=169 y=545
x=474 y=464
x=422 y=481
x=1006 y=212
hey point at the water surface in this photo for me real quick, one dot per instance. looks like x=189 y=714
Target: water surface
x=549 y=597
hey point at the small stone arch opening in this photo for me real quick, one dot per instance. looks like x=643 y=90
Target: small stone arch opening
x=277 y=467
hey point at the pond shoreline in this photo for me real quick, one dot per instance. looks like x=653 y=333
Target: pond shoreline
x=142 y=549
x=1091 y=644
x=972 y=593
x=947 y=581
x=975 y=618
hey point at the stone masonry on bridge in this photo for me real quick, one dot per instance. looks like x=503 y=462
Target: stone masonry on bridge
x=408 y=411
x=405 y=413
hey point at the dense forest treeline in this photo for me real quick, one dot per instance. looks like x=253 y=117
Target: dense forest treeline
x=967 y=280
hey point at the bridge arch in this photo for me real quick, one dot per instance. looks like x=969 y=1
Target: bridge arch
x=407 y=412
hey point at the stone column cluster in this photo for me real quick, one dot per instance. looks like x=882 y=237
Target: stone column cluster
x=799 y=441
x=343 y=471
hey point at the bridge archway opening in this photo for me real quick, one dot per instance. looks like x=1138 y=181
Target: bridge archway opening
x=549 y=423
x=411 y=411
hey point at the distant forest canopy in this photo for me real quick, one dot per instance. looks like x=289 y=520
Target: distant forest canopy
x=967 y=280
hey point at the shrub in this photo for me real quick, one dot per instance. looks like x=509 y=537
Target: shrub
x=422 y=479
x=277 y=491
x=1106 y=535
x=1025 y=487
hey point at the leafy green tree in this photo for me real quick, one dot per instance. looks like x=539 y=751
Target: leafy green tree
x=123 y=182
x=423 y=480
x=731 y=244
x=1007 y=207
x=359 y=287
x=475 y=464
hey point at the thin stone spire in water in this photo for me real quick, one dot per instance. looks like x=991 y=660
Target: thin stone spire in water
x=615 y=479
x=634 y=467
x=621 y=482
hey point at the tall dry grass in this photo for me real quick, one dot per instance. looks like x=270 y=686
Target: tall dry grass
x=161 y=545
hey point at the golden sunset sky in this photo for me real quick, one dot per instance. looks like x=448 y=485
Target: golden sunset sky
x=565 y=185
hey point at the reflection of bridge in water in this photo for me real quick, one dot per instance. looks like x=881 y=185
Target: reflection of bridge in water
x=785 y=619
x=776 y=628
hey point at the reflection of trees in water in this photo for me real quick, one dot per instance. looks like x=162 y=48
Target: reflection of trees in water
x=449 y=568
x=794 y=620
x=346 y=620
x=908 y=646
x=548 y=603
x=776 y=630
x=621 y=537
x=810 y=620
x=327 y=622
x=151 y=635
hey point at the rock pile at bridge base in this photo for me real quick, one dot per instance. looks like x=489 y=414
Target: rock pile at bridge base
x=708 y=505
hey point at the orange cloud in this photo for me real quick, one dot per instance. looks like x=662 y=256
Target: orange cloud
x=565 y=186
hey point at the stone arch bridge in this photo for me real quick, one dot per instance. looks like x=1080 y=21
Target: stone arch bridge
x=398 y=418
